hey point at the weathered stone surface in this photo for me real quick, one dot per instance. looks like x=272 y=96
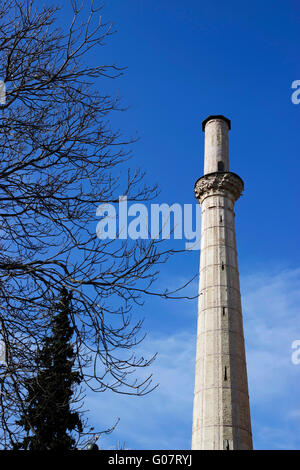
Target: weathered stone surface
x=218 y=183
x=221 y=418
x=216 y=145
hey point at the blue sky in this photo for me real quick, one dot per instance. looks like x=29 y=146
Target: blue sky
x=185 y=61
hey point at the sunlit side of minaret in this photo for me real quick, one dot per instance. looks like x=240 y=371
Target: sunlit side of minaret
x=221 y=416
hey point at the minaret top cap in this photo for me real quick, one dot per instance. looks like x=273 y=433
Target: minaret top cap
x=218 y=116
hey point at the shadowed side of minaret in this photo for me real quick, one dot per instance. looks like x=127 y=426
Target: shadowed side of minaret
x=221 y=416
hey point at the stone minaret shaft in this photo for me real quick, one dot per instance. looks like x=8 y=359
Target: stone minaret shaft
x=221 y=403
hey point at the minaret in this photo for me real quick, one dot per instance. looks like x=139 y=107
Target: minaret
x=221 y=419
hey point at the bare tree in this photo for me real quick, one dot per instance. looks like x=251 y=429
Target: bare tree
x=59 y=160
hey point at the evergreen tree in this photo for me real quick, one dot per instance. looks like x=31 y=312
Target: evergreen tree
x=47 y=417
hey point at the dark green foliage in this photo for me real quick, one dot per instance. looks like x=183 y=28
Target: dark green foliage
x=47 y=418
